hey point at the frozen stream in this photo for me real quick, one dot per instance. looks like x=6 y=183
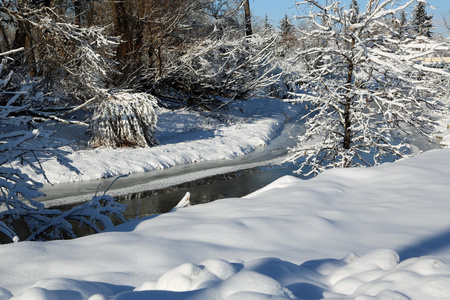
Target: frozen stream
x=160 y=190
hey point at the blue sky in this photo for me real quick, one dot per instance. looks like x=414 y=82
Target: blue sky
x=276 y=9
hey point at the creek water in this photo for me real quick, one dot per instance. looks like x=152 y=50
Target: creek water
x=160 y=190
x=229 y=185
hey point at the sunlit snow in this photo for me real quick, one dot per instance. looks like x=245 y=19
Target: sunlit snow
x=185 y=137
x=369 y=233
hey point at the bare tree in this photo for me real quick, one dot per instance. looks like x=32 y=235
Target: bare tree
x=445 y=19
x=149 y=30
x=227 y=66
x=366 y=85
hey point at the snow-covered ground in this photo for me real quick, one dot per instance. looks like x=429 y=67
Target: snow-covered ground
x=369 y=233
x=185 y=137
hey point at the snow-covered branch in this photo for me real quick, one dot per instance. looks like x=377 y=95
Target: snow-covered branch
x=229 y=67
x=369 y=87
x=21 y=144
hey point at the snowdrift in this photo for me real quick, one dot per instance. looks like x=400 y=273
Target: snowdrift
x=369 y=233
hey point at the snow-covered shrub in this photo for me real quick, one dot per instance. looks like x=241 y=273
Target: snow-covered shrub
x=95 y=215
x=289 y=70
x=124 y=120
x=18 y=190
x=230 y=66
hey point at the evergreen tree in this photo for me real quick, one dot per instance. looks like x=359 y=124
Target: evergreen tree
x=267 y=25
x=287 y=33
x=421 y=20
x=286 y=27
x=403 y=18
x=354 y=7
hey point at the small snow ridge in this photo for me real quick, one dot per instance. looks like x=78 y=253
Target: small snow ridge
x=188 y=277
x=67 y=289
x=376 y=275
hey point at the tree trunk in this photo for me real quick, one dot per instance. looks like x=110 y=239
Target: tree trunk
x=248 y=18
x=121 y=28
x=79 y=11
x=347 y=113
x=347 y=123
x=23 y=39
x=348 y=100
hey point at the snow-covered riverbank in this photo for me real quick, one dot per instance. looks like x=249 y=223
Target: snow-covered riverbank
x=185 y=137
x=321 y=238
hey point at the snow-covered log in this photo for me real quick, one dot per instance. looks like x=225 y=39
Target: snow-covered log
x=184 y=202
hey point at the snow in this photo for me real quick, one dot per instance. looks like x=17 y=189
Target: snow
x=366 y=233
x=186 y=137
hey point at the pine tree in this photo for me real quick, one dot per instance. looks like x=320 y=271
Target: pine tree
x=286 y=27
x=354 y=6
x=403 y=18
x=287 y=34
x=267 y=25
x=421 y=20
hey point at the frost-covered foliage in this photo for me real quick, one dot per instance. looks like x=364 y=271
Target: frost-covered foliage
x=75 y=61
x=20 y=215
x=366 y=86
x=228 y=66
x=66 y=60
x=80 y=57
x=124 y=119
x=4 y=81
x=95 y=215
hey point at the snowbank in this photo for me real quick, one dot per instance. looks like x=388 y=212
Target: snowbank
x=185 y=137
x=370 y=233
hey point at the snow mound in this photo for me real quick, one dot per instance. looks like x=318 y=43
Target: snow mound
x=375 y=275
x=293 y=239
x=68 y=289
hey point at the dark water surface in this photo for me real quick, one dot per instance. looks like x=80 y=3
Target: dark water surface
x=230 y=185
